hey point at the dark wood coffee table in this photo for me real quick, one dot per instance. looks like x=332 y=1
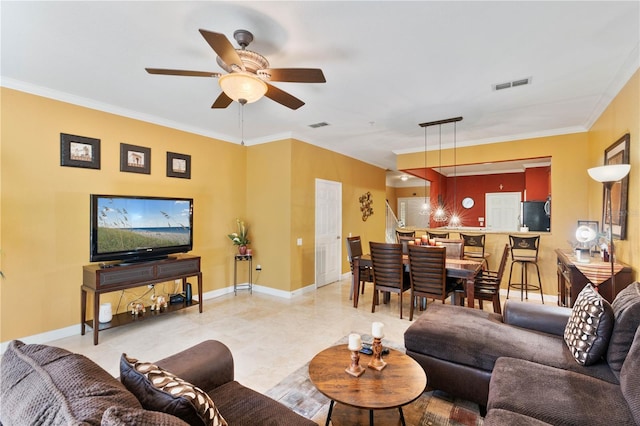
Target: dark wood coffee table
x=401 y=382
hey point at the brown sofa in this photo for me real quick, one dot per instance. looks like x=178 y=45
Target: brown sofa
x=48 y=385
x=519 y=366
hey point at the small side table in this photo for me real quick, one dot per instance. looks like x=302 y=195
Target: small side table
x=242 y=258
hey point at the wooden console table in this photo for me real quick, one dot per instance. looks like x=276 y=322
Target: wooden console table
x=573 y=276
x=99 y=279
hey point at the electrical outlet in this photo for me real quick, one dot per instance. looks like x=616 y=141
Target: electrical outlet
x=259 y=268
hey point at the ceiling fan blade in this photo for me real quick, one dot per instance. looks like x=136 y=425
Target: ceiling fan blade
x=222 y=101
x=296 y=75
x=283 y=97
x=223 y=47
x=182 y=72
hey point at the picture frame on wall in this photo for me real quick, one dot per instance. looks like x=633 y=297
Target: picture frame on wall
x=79 y=151
x=617 y=153
x=178 y=165
x=135 y=159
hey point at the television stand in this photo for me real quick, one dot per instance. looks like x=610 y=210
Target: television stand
x=99 y=279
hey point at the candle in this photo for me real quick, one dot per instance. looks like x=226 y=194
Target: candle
x=418 y=240
x=425 y=239
x=355 y=342
x=377 y=330
x=411 y=242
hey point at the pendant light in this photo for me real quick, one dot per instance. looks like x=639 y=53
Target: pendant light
x=440 y=213
x=455 y=219
x=426 y=208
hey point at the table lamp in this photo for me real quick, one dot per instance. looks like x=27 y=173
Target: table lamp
x=608 y=175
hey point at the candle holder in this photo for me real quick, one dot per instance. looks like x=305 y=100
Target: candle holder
x=355 y=369
x=377 y=363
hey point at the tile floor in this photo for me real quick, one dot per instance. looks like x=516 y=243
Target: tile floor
x=270 y=337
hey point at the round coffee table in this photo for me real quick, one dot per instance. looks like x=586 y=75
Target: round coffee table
x=402 y=381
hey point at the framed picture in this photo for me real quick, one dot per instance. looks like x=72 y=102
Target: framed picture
x=135 y=159
x=79 y=151
x=178 y=165
x=617 y=153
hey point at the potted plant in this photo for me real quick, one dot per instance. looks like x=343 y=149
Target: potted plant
x=240 y=238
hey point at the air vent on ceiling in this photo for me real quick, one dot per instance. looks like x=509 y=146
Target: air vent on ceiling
x=514 y=83
x=316 y=125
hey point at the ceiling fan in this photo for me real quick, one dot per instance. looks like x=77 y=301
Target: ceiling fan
x=248 y=73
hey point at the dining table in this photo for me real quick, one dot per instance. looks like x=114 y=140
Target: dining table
x=464 y=269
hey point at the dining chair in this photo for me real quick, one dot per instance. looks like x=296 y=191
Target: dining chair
x=404 y=233
x=405 y=243
x=487 y=284
x=354 y=249
x=524 y=252
x=455 y=248
x=433 y=235
x=388 y=271
x=428 y=274
x=474 y=248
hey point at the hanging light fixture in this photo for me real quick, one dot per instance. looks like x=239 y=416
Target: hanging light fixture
x=440 y=213
x=242 y=85
x=455 y=219
x=426 y=208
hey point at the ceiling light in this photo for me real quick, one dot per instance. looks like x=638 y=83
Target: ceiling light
x=404 y=178
x=243 y=86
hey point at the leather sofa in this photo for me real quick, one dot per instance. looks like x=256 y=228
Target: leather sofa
x=520 y=368
x=42 y=384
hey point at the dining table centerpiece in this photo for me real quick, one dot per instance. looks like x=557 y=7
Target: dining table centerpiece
x=241 y=237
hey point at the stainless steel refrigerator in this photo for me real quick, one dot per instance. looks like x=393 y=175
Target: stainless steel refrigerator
x=535 y=215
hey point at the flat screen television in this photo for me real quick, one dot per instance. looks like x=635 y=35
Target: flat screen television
x=134 y=229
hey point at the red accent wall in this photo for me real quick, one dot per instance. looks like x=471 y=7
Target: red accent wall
x=476 y=187
x=537 y=181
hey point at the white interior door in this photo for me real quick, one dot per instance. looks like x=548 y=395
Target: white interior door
x=328 y=250
x=502 y=210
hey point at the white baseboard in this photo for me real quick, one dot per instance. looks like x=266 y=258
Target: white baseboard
x=74 y=330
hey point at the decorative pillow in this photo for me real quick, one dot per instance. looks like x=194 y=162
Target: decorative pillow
x=120 y=416
x=48 y=385
x=626 y=309
x=159 y=390
x=589 y=327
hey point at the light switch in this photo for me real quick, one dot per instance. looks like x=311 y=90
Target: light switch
x=299 y=241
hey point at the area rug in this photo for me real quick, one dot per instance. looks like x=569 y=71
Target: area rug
x=433 y=408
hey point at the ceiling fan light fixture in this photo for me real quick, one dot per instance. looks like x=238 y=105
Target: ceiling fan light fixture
x=243 y=86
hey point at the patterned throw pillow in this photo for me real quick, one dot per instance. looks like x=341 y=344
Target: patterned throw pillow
x=589 y=327
x=159 y=390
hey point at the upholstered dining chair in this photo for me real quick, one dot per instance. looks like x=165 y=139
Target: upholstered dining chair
x=404 y=233
x=474 y=247
x=354 y=249
x=433 y=235
x=524 y=252
x=388 y=271
x=455 y=248
x=405 y=242
x=487 y=284
x=428 y=274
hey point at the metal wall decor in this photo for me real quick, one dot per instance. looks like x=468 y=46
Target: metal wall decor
x=365 y=205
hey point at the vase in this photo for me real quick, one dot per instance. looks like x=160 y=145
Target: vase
x=105 y=314
x=242 y=250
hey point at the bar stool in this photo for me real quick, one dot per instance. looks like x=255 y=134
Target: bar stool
x=474 y=248
x=524 y=251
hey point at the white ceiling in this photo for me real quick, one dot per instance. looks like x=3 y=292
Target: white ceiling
x=389 y=66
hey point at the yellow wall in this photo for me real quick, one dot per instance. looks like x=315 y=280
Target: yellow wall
x=621 y=116
x=281 y=205
x=44 y=208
